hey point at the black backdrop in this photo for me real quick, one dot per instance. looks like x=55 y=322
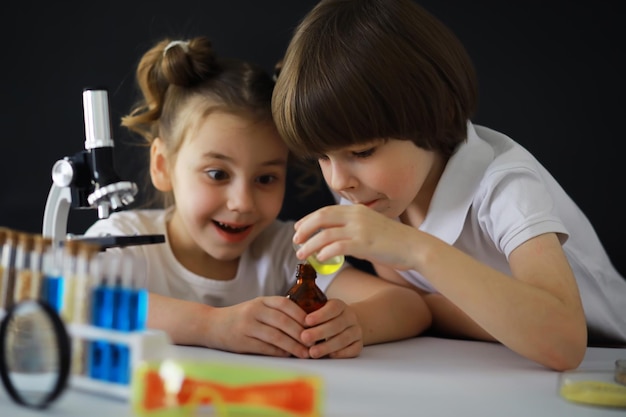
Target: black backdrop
x=551 y=76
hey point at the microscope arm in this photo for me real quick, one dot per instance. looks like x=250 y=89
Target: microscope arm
x=56 y=213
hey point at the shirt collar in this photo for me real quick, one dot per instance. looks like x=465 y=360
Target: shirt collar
x=457 y=186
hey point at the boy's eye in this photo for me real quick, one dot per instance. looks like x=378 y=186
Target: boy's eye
x=365 y=153
x=357 y=154
x=217 y=174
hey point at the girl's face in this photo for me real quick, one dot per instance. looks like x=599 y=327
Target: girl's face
x=388 y=176
x=228 y=181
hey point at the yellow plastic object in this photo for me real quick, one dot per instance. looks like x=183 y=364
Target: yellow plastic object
x=602 y=393
x=178 y=388
x=327 y=267
x=597 y=388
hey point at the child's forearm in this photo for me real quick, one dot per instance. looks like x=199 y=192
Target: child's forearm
x=451 y=321
x=393 y=314
x=186 y=322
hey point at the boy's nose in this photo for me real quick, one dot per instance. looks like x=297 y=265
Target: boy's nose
x=338 y=177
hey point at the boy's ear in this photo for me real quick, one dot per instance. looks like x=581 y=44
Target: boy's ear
x=159 y=169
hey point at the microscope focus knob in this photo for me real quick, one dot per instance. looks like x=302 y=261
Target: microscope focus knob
x=62 y=173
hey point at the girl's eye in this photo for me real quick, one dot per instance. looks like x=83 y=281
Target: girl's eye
x=266 y=179
x=365 y=153
x=217 y=174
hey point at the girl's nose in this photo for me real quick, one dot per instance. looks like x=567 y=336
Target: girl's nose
x=240 y=198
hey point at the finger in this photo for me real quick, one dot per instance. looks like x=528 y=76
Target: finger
x=336 y=332
x=329 y=311
x=286 y=307
x=335 y=349
x=310 y=224
x=270 y=340
x=351 y=351
x=325 y=243
x=278 y=327
x=259 y=347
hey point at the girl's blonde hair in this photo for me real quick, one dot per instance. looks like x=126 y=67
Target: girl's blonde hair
x=183 y=81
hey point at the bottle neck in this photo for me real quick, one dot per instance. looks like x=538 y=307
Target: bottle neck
x=305 y=272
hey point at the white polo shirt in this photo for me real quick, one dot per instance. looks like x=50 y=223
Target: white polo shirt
x=493 y=196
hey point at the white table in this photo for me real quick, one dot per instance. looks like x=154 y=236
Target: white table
x=418 y=377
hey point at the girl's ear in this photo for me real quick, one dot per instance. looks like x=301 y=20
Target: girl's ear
x=159 y=169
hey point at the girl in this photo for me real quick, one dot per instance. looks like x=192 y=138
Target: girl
x=221 y=277
x=382 y=94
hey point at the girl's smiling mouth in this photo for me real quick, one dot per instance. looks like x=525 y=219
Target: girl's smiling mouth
x=231 y=232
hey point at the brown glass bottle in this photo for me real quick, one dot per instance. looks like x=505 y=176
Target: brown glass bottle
x=305 y=291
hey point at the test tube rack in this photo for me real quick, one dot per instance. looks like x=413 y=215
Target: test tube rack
x=145 y=345
x=104 y=318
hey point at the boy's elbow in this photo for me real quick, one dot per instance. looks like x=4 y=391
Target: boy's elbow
x=568 y=354
x=565 y=361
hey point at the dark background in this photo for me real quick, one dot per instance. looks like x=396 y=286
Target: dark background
x=551 y=76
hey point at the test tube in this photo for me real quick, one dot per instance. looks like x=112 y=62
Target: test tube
x=327 y=267
x=123 y=305
x=100 y=351
x=23 y=270
x=7 y=279
x=70 y=257
x=52 y=288
x=40 y=245
x=85 y=266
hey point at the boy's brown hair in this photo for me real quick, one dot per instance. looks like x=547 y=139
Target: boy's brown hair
x=358 y=70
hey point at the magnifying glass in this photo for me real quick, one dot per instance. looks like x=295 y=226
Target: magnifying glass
x=35 y=354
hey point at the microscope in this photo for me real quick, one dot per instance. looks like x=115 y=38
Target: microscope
x=87 y=180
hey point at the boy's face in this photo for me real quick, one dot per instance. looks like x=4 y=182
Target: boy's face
x=228 y=181
x=387 y=176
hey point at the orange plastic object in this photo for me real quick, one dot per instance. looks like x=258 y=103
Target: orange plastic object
x=179 y=389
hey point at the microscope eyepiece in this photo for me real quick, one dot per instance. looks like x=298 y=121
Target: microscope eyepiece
x=97 y=121
x=110 y=192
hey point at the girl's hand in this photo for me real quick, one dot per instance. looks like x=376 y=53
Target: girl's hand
x=265 y=325
x=358 y=231
x=333 y=331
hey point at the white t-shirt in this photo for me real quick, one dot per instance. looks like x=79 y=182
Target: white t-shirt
x=493 y=196
x=267 y=267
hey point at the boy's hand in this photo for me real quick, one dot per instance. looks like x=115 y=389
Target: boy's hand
x=358 y=231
